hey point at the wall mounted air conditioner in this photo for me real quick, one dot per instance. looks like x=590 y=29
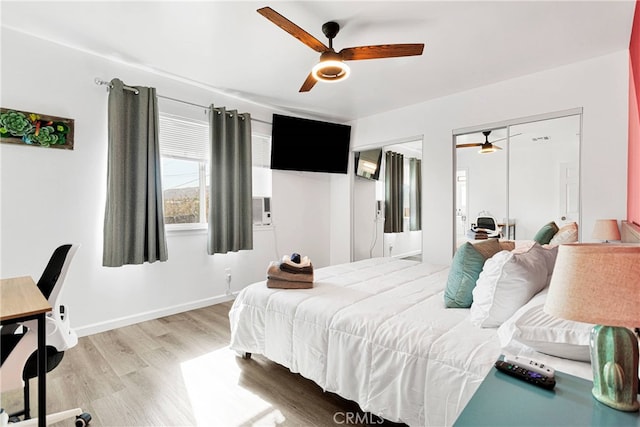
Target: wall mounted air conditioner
x=262 y=211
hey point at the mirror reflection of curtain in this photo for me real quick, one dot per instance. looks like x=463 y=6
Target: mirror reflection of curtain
x=415 y=194
x=393 y=180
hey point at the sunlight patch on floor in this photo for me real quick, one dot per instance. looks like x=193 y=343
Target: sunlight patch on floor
x=217 y=398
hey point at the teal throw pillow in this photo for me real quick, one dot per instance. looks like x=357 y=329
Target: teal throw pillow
x=465 y=268
x=546 y=233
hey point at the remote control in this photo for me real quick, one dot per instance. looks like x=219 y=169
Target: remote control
x=523 y=374
x=531 y=365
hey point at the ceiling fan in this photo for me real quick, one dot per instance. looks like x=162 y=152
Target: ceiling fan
x=486 y=146
x=331 y=67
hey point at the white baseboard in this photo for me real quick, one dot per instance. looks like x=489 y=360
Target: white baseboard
x=108 y=325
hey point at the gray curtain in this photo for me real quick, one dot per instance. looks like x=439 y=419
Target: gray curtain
x=230 y=200
x=133 y=222
x=415 y=194
x=393 y=195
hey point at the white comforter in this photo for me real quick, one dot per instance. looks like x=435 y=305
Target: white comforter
x=375 y=332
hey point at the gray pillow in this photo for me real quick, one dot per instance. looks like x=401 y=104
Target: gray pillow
x=546 y=233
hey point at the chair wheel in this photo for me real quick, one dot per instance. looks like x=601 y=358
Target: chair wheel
x=83 y=419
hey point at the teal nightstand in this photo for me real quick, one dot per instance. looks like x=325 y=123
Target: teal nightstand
x=505 y=401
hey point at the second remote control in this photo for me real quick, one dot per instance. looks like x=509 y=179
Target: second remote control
x=531 y=365
x=524 y=374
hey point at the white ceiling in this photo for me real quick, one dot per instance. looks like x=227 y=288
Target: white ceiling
x=230 y=48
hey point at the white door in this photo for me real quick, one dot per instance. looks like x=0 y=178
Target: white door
x=461 y=203
x=569 y=203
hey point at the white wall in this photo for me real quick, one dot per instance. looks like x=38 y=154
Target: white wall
x=340 y=215
x=599 y=85
x=400 y=245
x=368 y=233
x=301 y=206
x=50 y=196
x=486 y=182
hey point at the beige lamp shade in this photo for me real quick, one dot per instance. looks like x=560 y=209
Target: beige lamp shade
x=606 y=229
x=596 y=283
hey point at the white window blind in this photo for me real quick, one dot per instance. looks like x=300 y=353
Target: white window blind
x=183 y=138
x=261 y=151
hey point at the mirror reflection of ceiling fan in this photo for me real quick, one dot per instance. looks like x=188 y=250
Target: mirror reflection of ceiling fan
x=331 y=67
x=486 y=146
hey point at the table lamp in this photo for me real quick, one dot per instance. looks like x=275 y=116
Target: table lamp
x=600 y=284
x=606 y=230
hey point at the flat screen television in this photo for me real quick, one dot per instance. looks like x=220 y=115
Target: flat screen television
x=368 y=163
x=309 y=145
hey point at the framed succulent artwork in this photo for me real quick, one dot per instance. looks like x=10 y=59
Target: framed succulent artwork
x=40 y=130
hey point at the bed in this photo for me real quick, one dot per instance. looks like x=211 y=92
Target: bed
x=377 y=332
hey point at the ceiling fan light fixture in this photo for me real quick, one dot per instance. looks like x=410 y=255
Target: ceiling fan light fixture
x=330 y=71
x=487 y=147
x=330 y=68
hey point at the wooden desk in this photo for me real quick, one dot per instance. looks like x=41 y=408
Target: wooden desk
x=508 y=230
x=21 y=300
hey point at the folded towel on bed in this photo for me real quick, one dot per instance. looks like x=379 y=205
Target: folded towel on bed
x=296 y=270
x=304 y=262
x=302 y=267
x=285 y=284
x=275 y=271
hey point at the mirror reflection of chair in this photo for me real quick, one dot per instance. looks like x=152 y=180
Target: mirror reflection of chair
x=485 y=227
x=19 y=341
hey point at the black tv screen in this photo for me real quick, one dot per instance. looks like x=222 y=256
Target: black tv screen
x=309 y=145
x=367 y=163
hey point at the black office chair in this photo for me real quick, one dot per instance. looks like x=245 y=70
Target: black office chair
x=19 y=343
x=485 y=227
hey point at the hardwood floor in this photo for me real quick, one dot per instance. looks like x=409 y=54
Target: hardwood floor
x=177 y=371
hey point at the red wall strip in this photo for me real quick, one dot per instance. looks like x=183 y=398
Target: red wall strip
x=633 y=184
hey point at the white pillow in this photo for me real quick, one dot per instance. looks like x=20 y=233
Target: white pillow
x=507 y=281
x=550 y=255
x=544 y=333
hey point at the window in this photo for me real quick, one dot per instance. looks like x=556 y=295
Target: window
x=185 y=160
x=184 y=150
x=261 y=165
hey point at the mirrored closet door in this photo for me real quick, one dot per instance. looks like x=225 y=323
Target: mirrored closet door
x=387 y=202
x=481 y=187
x=402 y=236
x=523 y=174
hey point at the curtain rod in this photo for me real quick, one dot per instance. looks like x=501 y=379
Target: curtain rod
x=136 y=91
x=105 y=83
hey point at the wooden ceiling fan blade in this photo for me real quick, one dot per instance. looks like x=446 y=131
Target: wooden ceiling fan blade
x=381 y=51
x=502 y=139
x=478 y=144
x=308 y=83
x=293 y=29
